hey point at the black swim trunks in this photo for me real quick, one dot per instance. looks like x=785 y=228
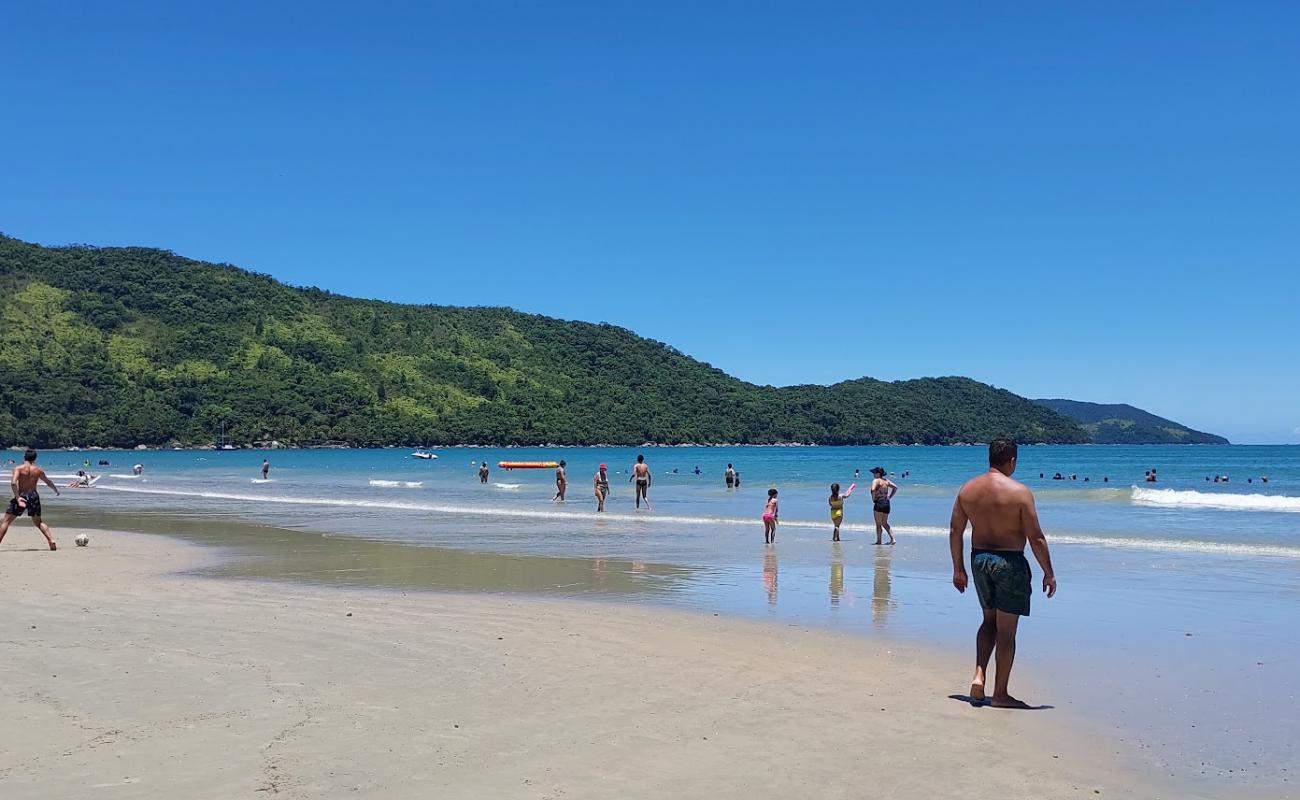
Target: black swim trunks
x=33 y=505
x=1002 y=580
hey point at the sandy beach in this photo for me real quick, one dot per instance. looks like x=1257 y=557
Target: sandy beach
x=125 y=676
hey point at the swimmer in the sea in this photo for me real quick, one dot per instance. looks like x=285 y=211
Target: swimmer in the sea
x=641 y=475
x=266 y=469
x=770 y=512
x=483 y=472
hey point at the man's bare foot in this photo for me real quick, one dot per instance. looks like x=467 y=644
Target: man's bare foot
x=977 y=692
x=53 y=546
x=1007 y=701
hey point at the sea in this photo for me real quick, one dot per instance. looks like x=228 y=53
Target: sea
x=1173 y=630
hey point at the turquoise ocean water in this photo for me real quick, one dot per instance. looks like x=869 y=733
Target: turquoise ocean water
x=1174 y=624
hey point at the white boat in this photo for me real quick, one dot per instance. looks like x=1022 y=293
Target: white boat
x=423 y=454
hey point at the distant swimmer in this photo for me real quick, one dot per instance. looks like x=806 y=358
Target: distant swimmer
x=697 y=469
x=730 y=476
x=601 y=483
x=1057 y=477
x=26 y=500
x=1263 y=479
x=882 y=491
x=857 y=474
x=483 y=472
x=138 y=469
x=266 y=469
x=1003 y=518
x=1151 y=476
x=770 y=514
x=737 y=479
x=561 y=482
x=641 y=475
x=836 y=501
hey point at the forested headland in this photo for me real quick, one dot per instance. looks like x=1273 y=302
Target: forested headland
x=129 y=346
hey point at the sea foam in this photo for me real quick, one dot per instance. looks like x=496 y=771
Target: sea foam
x=1176 y=498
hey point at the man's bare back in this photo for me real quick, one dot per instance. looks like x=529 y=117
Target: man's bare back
x=999 y=509
x=27 y=476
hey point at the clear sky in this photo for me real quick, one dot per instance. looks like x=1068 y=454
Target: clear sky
x=1098 y=201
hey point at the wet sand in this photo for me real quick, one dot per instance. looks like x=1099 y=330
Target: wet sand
x=130 y=675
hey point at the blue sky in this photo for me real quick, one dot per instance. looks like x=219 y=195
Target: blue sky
x=1096 y=201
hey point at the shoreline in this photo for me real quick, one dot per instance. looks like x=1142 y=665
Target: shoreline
x=718 y=699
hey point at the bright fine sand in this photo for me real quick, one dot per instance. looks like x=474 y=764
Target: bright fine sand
x=125 y=677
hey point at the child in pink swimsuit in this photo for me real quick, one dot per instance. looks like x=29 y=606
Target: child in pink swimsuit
x=769 y=518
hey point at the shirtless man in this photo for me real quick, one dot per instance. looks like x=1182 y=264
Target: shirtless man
x=601 y=484
x=483 y=472
x=561 y=482
x=641 y=474
x=25 y=499
x=266 y=469
x=1003 y=518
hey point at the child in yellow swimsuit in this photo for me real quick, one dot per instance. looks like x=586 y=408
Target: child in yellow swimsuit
x=837 y=510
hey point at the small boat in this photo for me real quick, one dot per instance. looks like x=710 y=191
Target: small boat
x=423 y=454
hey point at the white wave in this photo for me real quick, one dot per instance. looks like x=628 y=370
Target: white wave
x=507 y=485
x=1194 y=499
x=398 y=484
x=1117 y=542
x=260 y=480
x=126 y=477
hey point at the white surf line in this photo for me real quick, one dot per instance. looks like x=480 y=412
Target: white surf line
x=1161 y=545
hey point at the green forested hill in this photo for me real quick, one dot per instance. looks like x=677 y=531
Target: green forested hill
x=125 y=346
x=1118 y=423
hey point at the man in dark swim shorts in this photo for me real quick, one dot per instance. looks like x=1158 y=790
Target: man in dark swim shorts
x=1003 y=580
x=25 y=500
x=1003 y=520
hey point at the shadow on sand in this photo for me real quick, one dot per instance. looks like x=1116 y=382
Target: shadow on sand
x=965 y=698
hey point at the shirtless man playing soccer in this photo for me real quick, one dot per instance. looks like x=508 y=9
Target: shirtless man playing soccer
x=1003 y=518
x=25 y=499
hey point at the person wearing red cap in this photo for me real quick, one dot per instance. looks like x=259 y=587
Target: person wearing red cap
x=602 y=488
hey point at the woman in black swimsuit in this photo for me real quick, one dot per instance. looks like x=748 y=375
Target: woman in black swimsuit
x=882 y=491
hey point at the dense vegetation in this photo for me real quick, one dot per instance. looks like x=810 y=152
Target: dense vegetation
x=1124 y=424
x=126 y=346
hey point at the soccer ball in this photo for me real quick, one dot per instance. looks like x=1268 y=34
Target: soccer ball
x=82 y=540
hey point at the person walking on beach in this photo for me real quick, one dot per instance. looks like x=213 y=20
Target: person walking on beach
x=837 y=510
x=730 y=476
x=1003 y=518
x=483 y=472
x=770 y=514
x=561 y=482
x=641 y=474
x=882 y=491
x=26 y=500
x=266 y=469
x=601 y=482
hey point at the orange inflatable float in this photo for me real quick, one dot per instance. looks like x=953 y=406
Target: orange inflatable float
x=528 y=464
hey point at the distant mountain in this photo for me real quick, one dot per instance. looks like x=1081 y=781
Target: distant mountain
x=126 y=345
x=1124 y=424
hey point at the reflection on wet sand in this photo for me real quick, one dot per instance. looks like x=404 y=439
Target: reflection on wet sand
x=280 y=554
x=837 y=574
x=880 y=589
x=769 y=574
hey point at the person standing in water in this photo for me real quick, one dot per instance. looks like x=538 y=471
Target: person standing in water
x=483 y=472
x=882 y=491
x=1003 y=519
x=561 y=482
x=641 y=475
x=26 y=500
x=837 y=510
x=730 y=476
x=601 y=482
x=266 y=469
x=770 y=514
